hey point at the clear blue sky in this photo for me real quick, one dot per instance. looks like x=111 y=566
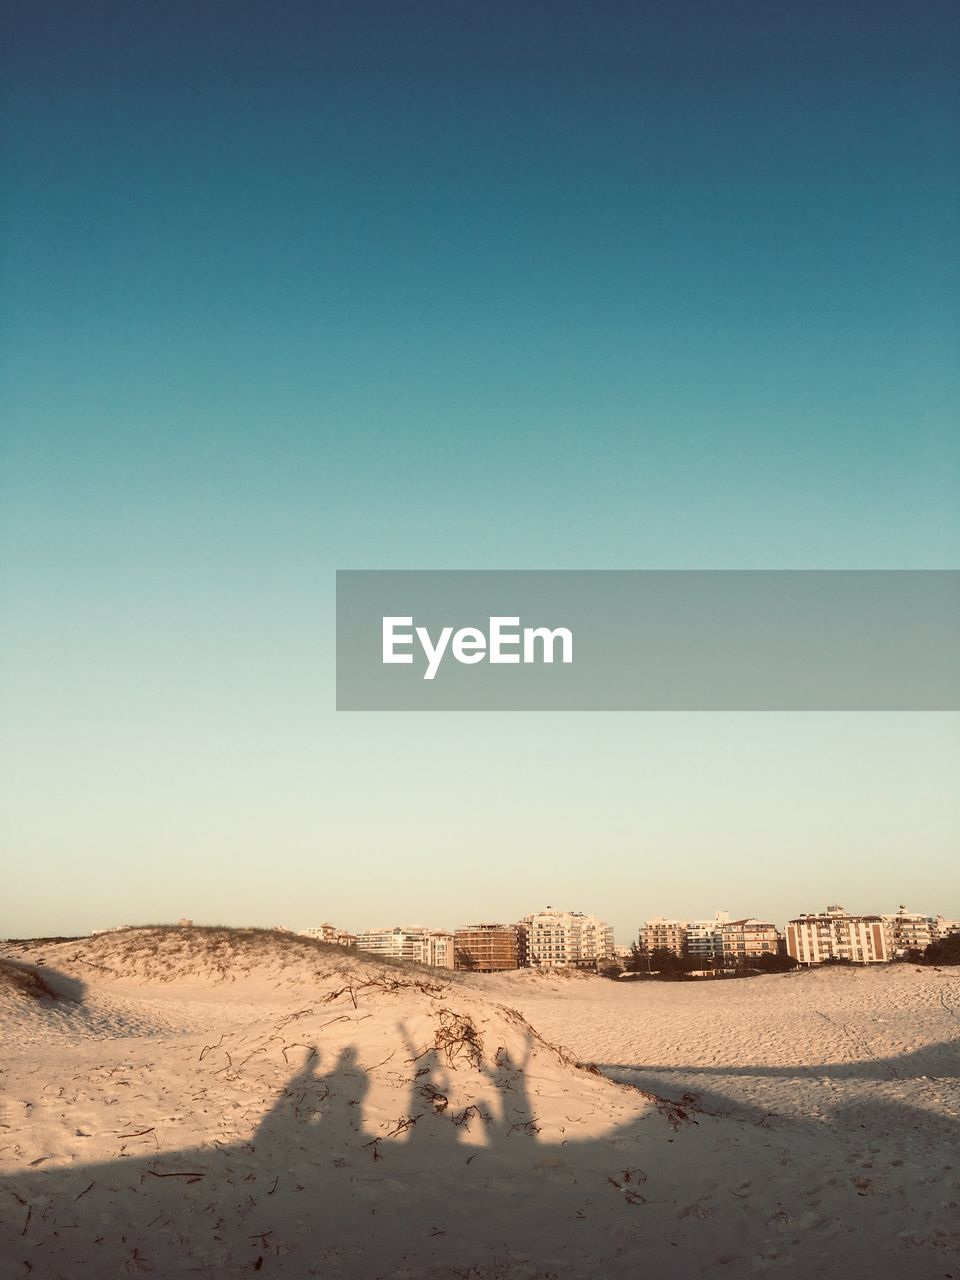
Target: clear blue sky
x=293 y=287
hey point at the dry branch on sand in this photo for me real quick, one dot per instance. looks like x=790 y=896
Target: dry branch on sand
x=456 y=1038
x=383 y=982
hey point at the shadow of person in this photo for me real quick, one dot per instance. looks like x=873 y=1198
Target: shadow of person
x=430 y=1095
x=313 y=1108
x=556 y=1206
x=430 y=1112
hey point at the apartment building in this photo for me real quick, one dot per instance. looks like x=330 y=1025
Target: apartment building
x=486 y=948
x=945 y=927
x=556 y=939
x=439 y=950
x=409 y=942
x=908 y=931
x=737 y=942
x=668 y=934
x=704 y=938
x=836 y=935
x=745 y=941
x=330 y=933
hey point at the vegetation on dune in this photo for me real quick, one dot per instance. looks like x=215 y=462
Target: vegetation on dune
x=139 y=939
x=167 y=953
x=23 y=980
x=22 y=944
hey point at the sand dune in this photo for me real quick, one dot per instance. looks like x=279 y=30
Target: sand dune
x=216 y=1103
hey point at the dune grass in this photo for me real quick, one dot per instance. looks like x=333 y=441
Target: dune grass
x=170 y=952
x=23 y=980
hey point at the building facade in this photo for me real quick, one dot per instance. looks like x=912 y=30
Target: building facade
x=836 y=935
x=908 y=931
x=670 y=935
x=330 y=933
x=560 y=939
x=486 y=948
x=409 y=942
x=704 y=938
x=745 y=941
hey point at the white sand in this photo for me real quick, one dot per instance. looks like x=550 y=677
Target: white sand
x=310 y=1135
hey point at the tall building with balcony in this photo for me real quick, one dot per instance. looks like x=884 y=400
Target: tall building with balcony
x=560 y=939
x=409 y=942
x=704 y=938
x=908 y=931
x=486 y=948
x=670 y=935
x=745 y=941
x=836 y=935
x=439 y=949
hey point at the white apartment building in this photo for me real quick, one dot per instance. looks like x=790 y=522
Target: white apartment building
x=330 y=933
x=945 y=927
x=705 y=937
x=409 y=942
x=836 y=935
x=556 y=939
x=907 y=931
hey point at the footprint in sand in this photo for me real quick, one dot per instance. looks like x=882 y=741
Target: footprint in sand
x=695 y=1210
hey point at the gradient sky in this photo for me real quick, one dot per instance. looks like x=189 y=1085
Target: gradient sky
x=294 y=287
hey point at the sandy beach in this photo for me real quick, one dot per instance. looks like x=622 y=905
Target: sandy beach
x=217 y=1103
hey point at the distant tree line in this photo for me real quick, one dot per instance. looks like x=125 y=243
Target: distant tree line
x=662 y=963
